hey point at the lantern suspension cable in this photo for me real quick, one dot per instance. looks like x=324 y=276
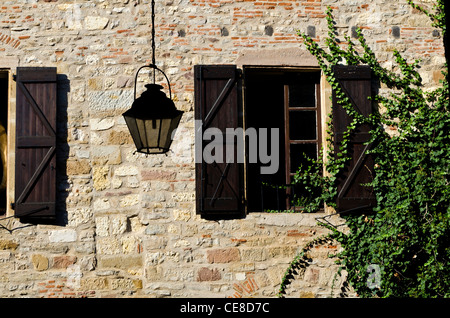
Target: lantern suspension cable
x=153 y=41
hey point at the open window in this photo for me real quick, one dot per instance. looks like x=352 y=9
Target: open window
x=287 y=100
x=274 y=113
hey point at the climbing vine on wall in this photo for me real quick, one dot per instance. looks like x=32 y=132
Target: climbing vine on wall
x=404 y=246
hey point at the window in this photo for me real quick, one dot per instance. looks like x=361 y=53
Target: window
x=274 y=114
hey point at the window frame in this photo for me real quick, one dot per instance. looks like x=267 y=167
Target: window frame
x=289 y=142
x=320 y=88
x=10 y=148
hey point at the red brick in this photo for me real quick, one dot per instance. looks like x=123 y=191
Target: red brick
x=297 y=233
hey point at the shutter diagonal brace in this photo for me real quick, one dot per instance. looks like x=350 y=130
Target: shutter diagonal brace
x=219 y=101
x=36 y=174
x=352 y=101
x=36 y=109
x=353 y=173
x=222 y=177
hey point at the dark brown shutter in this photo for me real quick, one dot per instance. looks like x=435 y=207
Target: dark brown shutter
x=219 y=185
x=35 y=173
x=353 y=194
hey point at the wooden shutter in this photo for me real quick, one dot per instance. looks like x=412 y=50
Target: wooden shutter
x=219 y=185
x=353 y=194
x=35 y=173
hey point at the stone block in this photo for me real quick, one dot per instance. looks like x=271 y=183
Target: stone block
x=118 y=224
x=77 y=167
x=40 y=262
x=108 y=246
x=158 y=175
x=124 y=81
x=100 y=178
x=226 y=255
x=101 y=204
x=206 y=274
x=5 y=256
x=125 y=284
x=63 y=236
x=95 y=84
x=113 y=102
x=129 y=200
x=102 y=226
x=101 y=123
x=79 y=216
x=124 y=262
x=117 y=137
x=94 y=283
x=253 y=254
x=95 y=23
x=130 y=244
x=102 y=155
x=154 y=229
x=64 y=261
x=181 y=215
x=8 y=245
x=307 y=294
x=312 y=275
x=153 y=273
x=123 y=171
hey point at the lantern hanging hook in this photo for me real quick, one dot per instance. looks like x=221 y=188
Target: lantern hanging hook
x=155 y=68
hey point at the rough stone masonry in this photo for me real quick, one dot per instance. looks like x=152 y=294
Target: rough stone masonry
x=130 y=227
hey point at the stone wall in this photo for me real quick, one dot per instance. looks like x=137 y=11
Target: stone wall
x=127 y=222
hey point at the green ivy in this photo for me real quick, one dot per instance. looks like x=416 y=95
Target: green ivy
x=408 y=236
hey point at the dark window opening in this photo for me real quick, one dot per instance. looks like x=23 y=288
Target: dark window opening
x=286 y=99
x=4 y=92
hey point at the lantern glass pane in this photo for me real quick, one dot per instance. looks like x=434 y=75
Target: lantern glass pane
x=165 y=137
x=152 y=131
x=173 y=125
x=133 y=128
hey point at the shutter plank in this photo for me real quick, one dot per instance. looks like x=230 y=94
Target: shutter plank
x=35 y=184
x=219 y=185
x=353 y=194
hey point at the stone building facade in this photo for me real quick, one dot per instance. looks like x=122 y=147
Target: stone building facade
x=126 y=223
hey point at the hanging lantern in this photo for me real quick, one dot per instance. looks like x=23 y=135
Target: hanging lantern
x=152 y=117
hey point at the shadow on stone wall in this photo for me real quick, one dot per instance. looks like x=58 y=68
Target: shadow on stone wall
x=62 y=150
